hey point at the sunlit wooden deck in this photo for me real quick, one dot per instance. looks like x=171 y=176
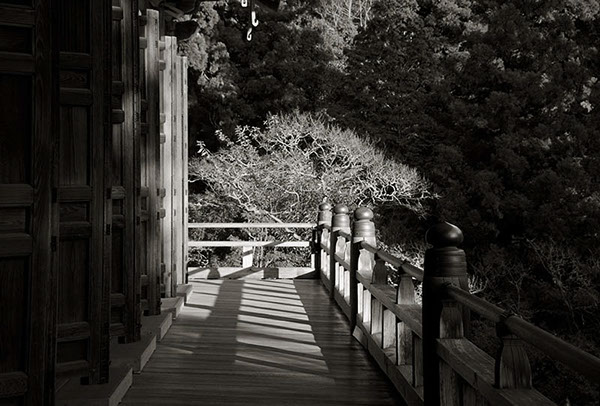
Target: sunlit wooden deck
x=260 y=342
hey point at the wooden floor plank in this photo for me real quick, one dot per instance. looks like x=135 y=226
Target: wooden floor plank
x=260 y=342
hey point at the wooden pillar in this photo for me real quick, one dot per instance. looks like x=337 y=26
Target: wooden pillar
x=27 y=280
x=340 y=221
x=442 y=317
x=363 y=229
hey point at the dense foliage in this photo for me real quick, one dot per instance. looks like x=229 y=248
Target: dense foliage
x=493 y=102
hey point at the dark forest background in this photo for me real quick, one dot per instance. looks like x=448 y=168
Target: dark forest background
x=481 y=113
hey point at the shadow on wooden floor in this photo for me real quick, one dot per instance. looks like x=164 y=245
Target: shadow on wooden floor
x=260 y=342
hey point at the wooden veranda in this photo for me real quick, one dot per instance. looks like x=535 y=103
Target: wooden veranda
x=94 y=246
x=260 y=342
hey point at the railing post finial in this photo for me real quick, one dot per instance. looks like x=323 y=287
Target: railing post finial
x=341 y=219
x=442 y=317
x=324 y=214
x=363 y=227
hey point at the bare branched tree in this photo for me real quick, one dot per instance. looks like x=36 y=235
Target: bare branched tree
x=297 y=162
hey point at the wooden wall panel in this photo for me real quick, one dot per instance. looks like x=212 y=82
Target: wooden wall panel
x=81 y=179
x=27 y=332
x=148 y=239
x=125 y=312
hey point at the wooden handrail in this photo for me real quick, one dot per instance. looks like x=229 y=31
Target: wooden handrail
x=573 y=357
x=248 y=246
x=480 y=306
x=345 y=235
x=423 y=349
x=405 y=266
x=251 y=225
x=298 y=244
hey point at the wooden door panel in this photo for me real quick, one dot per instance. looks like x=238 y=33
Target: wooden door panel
x=26 y=335
x=170 y=49
x=125 y=322
x=82 y=203
x=149 y=163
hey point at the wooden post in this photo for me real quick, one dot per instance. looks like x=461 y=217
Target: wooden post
x=442 y=318
x=405 y=294
x=363 y=230
x=247 y=257
x=340 y=221
x=323 y=218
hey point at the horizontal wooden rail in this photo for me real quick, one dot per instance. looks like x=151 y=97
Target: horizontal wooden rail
x=251 y=225
x=297 y=244
x=345 y=235
x=249 y=246
x=405 y=266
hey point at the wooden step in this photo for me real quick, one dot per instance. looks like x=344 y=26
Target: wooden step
x=134 y=355
x=172 y=305
x=110 y=394
x=185 y=291
x=157 y=325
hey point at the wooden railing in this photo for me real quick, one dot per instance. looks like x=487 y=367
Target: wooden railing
x=248 y=250
x=423 y=348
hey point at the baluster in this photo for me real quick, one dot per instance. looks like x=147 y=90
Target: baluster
x=405 y=294
x=340 y=250
x=323 y=218
x=417 y=355
x=442 y=317
x=340 y=221
x=379 y=277
x=346 y=272
x=360 y=259
x=512 y=369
